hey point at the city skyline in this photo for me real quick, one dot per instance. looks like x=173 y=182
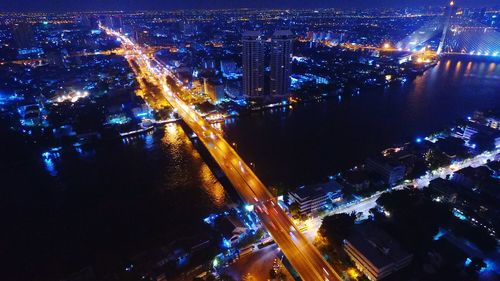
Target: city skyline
x=131 y=5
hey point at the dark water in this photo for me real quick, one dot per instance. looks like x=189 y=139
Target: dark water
x=99 y=205
x=311 y=141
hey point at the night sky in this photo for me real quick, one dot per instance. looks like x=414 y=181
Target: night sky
x=72 y=5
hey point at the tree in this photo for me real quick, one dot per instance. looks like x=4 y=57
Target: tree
x=436 y=159
x=398 y=200
x=483 y=142
x=475 y=234
x=294 y=209
x=337 y=227
x=417 y=170
x=414 y=218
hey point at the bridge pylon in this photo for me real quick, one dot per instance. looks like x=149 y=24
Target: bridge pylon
x=446 y=25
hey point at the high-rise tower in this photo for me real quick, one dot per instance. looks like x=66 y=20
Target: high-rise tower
x=281 y=62
x=253 y=64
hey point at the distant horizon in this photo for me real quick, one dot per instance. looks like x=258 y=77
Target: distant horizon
x=59 y=6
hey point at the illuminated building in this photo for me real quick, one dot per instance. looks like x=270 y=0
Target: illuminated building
x=281 y=62
x=297 y=80
x=231 y=229
x=487 y=134
x=313 y=198
x=214 y=89
x=493 y=122
x=253 y=64
x=29 y=52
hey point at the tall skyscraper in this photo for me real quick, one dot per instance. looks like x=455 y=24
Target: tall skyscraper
x=23 y=35
x=253 y=64
x=281 y=62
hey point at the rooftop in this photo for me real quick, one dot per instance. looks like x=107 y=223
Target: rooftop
x=318 y=190
x=481 y=172
x=376 y=245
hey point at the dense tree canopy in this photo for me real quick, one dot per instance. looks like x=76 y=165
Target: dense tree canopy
x=337 y=227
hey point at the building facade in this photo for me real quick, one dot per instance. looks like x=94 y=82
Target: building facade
x=391 y=171
x=313 y=198
x=214 y=89
x=253 y=64
x=281 y=62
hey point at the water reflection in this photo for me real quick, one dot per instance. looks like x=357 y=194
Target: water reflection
x=179 y=145
x=212 y=186
x=491 y=68
x=468 y=69
x=457 y=69
x=447 y=67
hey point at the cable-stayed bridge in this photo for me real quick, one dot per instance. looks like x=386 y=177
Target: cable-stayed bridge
x=454 y=33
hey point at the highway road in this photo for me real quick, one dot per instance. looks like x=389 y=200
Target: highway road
x=303 y=256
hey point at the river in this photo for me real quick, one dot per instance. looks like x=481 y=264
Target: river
x=96 y=205
x=312 y=141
